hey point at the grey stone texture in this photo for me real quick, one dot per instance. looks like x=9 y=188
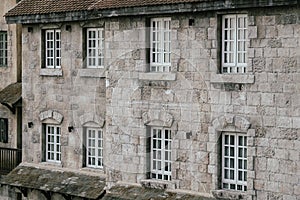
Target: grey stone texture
x=11 y=72
x=124 y=99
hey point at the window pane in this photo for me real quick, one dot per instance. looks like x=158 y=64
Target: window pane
x=161 y=154
x=234 y=164
x=234 y=38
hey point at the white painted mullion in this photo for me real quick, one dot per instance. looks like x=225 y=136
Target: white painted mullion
x=235 y=44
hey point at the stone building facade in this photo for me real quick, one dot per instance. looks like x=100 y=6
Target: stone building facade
x=10 y=73
x=198 y=97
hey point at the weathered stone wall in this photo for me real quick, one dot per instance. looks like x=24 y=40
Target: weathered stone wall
x=195 y=104
x=269 y=106
x=9 y=73
x=76 y=95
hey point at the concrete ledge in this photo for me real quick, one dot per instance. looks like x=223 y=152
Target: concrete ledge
x=51 y=72
x=158 y=76
x=232 y=78
x=94 y=72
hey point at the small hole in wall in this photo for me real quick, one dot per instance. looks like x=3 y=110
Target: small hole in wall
x=30 y=29
x=68 y=28
x=191 y=22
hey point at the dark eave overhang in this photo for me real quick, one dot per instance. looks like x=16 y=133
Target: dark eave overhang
x=148 y=10
x=11 y=96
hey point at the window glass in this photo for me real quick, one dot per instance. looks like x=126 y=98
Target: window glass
x=234 y=43
x=95 y=48
x=161 y=154
x=3 y=48
x=234 y=161
x=160 y=42
x=94 y=148
x=53 y=48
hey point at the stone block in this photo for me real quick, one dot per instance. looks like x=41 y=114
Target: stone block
x=241 y=123
x=253 y=99
x=268 y=20
x=293 y=155
x=289 y=197
x=272 y=165
x=213 y=22
x=271 y=32
x=270 y=52
x=284 y=122
x=45 y=115
x=252 y=32
x=212 y=33
x=289 y=42
x=259 y=64
x=288 y=19
x=267 y=99
x=297 y=190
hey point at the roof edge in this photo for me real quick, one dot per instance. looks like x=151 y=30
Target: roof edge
x=146 y=10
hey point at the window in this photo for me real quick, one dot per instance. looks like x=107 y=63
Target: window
x=53 y=48
x=3 y=130
x=53 y=146
x=95 y=48
x=3 y=48
x=160 y=45
x=94 y=148
x=234 y=43
x=234 y=161
x=161 y=154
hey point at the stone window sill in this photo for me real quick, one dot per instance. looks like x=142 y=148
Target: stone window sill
x=228 y=194
x=232 y=78
x=51 y=72
x=92 y=72
x=158 y=76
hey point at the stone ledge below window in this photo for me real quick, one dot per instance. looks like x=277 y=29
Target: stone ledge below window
x=157 y=184
x=232 y=78
x=227 y=194
x=158 y=76
x=51 y=72
x=92 y=72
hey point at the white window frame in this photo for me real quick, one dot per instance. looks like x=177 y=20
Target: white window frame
x=234 y=43
x=160 y=45
x=234 y=161
x=95 y=48
x=94 y=147
x=53 y=48
x=3 y=48
x=53 y=143
x=161 y=141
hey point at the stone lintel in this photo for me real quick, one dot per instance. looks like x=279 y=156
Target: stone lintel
x=90 y=118
x=157 y=118
x=51 y=114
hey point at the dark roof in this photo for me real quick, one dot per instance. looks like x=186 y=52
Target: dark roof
x=11 y=94
x=63 y=182
x=31 y=7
